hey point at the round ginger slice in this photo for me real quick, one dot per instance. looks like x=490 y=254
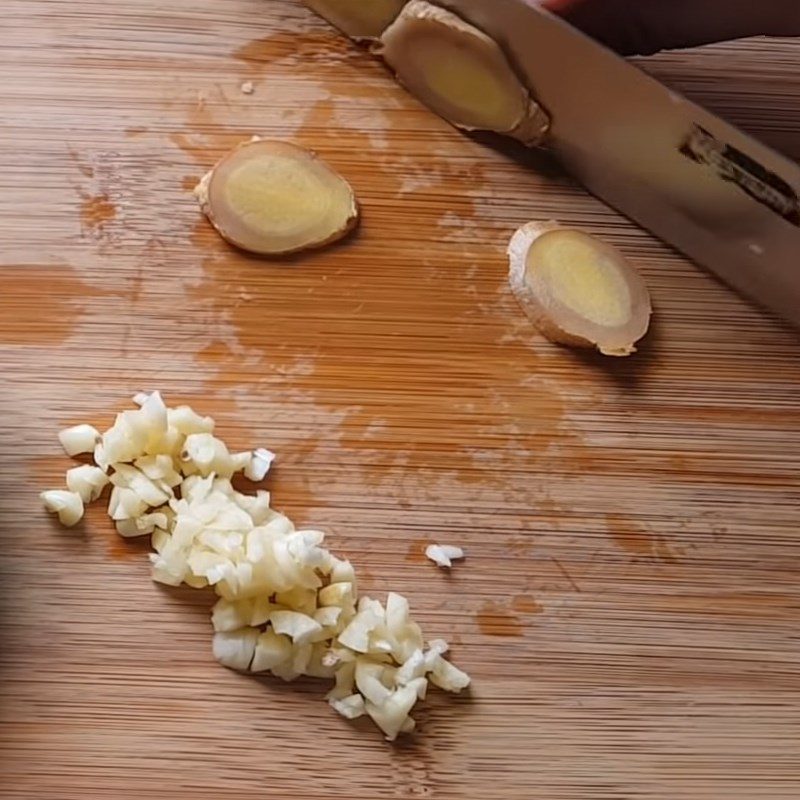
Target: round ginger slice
x=273 y=198
x=358 y=19
x=460 y=73
x=578 y=290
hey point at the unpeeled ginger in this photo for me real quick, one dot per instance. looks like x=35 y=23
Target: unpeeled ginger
x=273 y=198
x=578 y=290
x=460 y=73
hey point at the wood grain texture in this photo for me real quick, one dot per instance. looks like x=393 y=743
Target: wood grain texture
x=629 y=607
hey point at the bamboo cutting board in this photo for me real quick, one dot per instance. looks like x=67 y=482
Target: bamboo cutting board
x=630 y=602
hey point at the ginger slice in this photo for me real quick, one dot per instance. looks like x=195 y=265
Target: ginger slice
x=460 y=73
x=578 y=290
x=359 y=19
x=273 y=198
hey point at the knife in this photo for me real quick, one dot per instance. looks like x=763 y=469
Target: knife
x=716 y=194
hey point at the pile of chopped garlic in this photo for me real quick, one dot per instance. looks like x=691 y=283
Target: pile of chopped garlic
x=286 y=605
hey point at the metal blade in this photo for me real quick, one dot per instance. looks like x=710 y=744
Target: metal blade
x=718 y=195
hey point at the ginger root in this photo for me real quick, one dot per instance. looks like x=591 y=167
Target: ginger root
x=273 y=198
x=578 y=290
x=460 y=73
x=358 y=19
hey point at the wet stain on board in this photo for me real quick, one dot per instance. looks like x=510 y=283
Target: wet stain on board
x=97 y=211
x=636 y=540
x=416 y=551
x=325 y=47
x=525 y=604
x=495 y=620
x=40 y=304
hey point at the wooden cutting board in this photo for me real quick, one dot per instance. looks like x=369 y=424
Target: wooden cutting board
x=630 y=603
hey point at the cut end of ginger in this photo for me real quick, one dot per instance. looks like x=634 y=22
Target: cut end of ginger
x=273 y=198
x=578 y=290
x=358 y=19
x=460 y=73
